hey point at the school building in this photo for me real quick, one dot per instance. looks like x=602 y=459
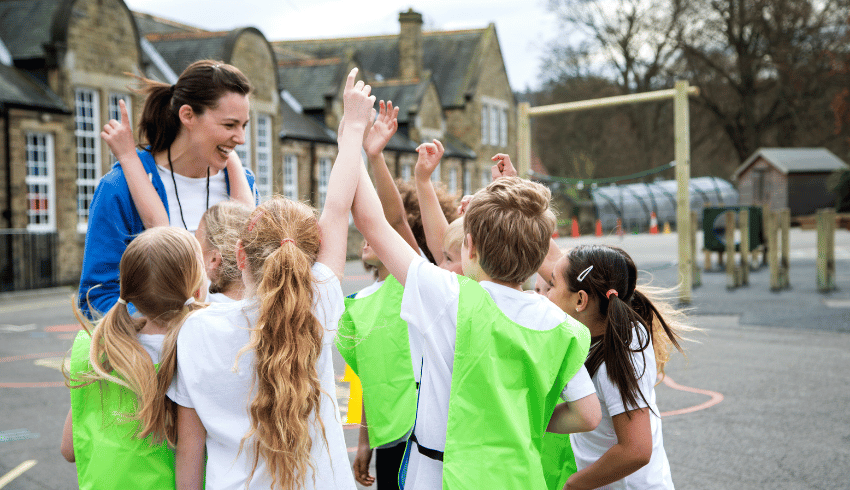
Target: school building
x=65 y=64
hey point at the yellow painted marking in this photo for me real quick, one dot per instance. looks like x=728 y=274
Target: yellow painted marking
x=355 y=396
x=16 y=472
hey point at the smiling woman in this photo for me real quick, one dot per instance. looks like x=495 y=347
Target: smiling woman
x=191 y=129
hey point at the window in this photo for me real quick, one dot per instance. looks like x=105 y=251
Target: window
x=494 y=126
x=436 y=176
x=244 y=150
x=264 y=156
x=503 y=126
x=406 y=171
x=114 y=112
x=324 y=177
x=467 y=180
x=87 y=134
x=452 y=181
x=41 y=188
x=486 y=174
x=485 y=120
x=290 y=176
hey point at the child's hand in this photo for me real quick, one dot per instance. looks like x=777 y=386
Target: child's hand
x=382 y=130
x=503 y=166
x=119 y=135
x=430 y=155
x=461 y=210
x=358 y=104
x=361 y=465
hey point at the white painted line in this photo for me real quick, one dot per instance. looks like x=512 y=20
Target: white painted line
x=837 y=303
x=16 y=472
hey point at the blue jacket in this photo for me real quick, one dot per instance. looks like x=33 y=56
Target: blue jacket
x=113 y=224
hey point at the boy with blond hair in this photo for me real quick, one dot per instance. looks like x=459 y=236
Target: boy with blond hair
x=495 y=359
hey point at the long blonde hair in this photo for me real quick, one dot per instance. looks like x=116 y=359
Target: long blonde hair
x=159 y=271
x=281 y=243
x=222 y=224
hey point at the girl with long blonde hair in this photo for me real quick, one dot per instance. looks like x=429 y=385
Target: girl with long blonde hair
x=255 y=384
x=122 y=366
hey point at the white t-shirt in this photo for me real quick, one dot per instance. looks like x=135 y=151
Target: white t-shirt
x=590 y=446
x=219 y=298
x=152 y=344
x=207 y=346
x=414 y=338
x=430 y=304
x=193 y=196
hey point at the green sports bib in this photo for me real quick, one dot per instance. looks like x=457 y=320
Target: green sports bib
x=506 y=381
x=108 y=453
x=373 y=340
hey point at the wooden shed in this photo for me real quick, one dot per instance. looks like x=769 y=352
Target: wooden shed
x=788 y=177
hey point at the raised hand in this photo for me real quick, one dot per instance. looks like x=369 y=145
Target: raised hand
x=358 y=104
x=119 y=135
x=461 y=209
x=503 y=166
x=430 y=155
x=382 y=130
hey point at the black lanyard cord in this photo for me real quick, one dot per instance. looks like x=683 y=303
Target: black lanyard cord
x=174 y=180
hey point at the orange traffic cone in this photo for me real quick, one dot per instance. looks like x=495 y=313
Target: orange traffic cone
x=653 y=224
x=599 y=227
x=575 y=232
x=619 y=227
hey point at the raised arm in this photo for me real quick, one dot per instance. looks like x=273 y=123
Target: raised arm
x=433 y=220
x=240 y=190
x=358 y=114
x=376 y=140
x=119 y=137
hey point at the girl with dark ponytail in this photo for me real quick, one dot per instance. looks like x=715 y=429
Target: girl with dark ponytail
x=121 y=367
x=255 y=383
x=630 y=340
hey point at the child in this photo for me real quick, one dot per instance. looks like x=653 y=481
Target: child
x=255 y=384
x=118 y=418
x=217 y=233
x=596 y=285
x=495 y=358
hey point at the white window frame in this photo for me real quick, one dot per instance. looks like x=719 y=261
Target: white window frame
x=325 y=165
x=40 y=157
x=244 y=150
x=486 y=176
x=264 y=175
x=406 y=171
x=436 y=176
x=467 y=181
x=87 y=140
x=113 y=111
x=494 y=125
x=290 y=176
x=485 y=121
x=453 y=180
x=504 y=127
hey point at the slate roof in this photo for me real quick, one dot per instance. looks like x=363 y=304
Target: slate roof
x=21 y=89
x=407 y=95
x=181 y=49
x=796 y=160
x=452 y=57
x=26 y=26
x=150 y=24
x=301 y=127
x=309 y=81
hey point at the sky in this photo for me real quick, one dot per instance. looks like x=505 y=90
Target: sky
x=524 y=27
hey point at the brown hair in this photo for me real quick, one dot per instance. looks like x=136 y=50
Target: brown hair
x=159 y=290
x=414 y=216
x=511 y=224
x=628 y=312
x=222 y=224
x=281 y=242
x=200 y=86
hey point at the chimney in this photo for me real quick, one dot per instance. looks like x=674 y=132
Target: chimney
x=410 y=44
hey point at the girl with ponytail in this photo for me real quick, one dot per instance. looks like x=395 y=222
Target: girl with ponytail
x=122 y=366
x=255 y=383
x=630 y=341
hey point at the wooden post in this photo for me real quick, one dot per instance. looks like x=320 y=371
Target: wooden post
x=681 y=123
x=731 y=275
x=697 y=276
x=770 y=219
x=826 y=250
x=744 y=226
x=524 y=140
x=785 y=235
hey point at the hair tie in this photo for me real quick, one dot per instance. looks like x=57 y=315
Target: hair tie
x=285 y=240
x=189 y=301
x=122 y=301
x=610 y=292
x=255 y=219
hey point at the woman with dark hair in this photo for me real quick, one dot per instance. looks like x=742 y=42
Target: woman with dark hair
x=630 y=338
x=191 y=129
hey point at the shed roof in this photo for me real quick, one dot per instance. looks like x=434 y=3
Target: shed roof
x=20 y=88
x=796 y=160
x=451 y=56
